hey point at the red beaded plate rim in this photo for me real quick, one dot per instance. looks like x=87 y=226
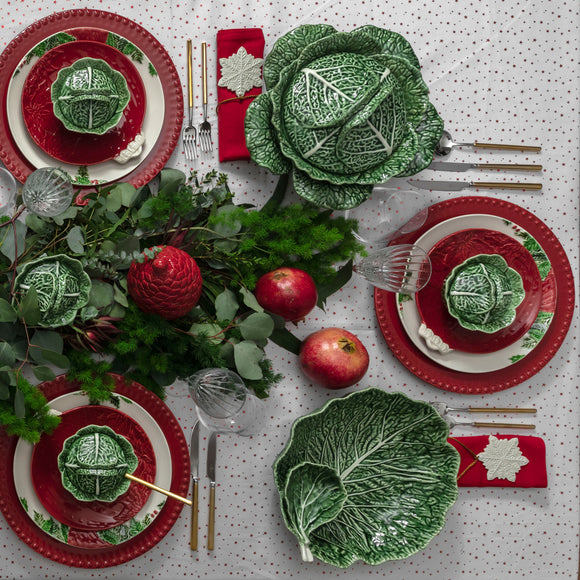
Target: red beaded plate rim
x=13 y=54
x=47 y=546
x=483 y=383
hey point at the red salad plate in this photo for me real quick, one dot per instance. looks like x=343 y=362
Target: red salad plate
x=454 y=250
x=51 y=135
x=452 y=380
x=91 y=515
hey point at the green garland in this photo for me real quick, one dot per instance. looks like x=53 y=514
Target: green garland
x=106 y=232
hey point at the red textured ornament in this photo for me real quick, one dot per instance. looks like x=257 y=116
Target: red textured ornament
x=168 y=285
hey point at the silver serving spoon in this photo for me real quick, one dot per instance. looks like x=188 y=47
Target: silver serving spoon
x=446 y=144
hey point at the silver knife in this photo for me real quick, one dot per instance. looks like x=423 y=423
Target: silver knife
x=211 y=458
x=194 y=461
x=446 y=166
x=460 y=185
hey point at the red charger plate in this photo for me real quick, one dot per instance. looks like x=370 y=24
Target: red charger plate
x=91 y=515
x=51 y=135
x=51 y=548
x=454 y=250
x=19 y=47
x=490 y=382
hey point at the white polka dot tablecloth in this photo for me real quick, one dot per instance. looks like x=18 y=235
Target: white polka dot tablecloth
x=499 y=71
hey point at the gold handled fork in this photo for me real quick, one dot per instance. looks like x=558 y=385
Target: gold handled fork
x=189 y=136
x=205 y=140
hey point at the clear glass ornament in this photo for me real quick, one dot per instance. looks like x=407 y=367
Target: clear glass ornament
x=48 y=191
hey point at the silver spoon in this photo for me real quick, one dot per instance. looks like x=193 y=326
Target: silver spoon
x=446 y=144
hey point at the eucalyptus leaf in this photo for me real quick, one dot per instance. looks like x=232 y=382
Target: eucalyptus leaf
x=397 y=468
x=250 y=300
x=257 y=326
x=44 y=341
x=102 y=294
x=8 y=376
x=37 y=224
x=88 y=313
x=43 y=373
x=7 y=356
x=121 y=297
x=76 y=239
x=127 y=193
x=114 y=200
x=247 y=356
x=226 y=305
x=68 y=214
x=10 y=245
x=171 y=179
x=314 y=495
x=212 y=331
x=7 y=312
x=59 y=360
x=28 y=309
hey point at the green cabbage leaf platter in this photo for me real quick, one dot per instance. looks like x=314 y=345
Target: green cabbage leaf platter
x=369 y=477
x=342 y=112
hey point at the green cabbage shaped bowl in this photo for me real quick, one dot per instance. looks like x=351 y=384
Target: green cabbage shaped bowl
x=62 y=287
x=369 y=476
x=483 y=292
x=89 y=96
x=342 y=112
x=93 y=463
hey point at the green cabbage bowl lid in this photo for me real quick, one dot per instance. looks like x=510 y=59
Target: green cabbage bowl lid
x=89 y=96
x=93 y=463
x=483 y=292
x=369 y=477
x=61 y=284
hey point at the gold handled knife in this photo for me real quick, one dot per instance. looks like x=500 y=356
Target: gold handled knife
x=211 y=459
x=194 y=461
x=460 y=185
x=460 y=166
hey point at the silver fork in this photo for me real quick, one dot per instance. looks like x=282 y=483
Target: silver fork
x=189 y=136
x=442 y=409
x=205 y=140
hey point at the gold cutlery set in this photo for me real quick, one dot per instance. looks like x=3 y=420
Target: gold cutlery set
x=202 y=136
x=444 y=410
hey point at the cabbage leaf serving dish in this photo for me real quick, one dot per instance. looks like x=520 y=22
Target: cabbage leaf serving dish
x=369 y=476
x=342 y=111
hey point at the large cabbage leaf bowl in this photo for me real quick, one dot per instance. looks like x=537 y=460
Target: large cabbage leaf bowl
x=367 y=477
x=342 y=112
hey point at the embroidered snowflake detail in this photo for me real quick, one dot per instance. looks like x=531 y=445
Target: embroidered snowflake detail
x=241 y=72
x=502 y=458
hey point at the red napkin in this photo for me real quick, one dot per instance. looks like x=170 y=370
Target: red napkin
x=472 y=472
x=231 y=109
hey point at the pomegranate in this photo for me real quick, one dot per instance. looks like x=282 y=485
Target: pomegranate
x=333 y=358
x=288 y=292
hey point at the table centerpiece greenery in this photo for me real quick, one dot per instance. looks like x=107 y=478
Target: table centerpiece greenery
x=113 y=226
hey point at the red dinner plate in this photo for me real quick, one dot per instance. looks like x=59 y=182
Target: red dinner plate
x=452 y=251
x=479 y=383
x=91 y=515
x=51 y=135
x=97 y=22
x=110 y=555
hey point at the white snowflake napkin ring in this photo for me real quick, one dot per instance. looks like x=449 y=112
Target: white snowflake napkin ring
x=241 y=72
x=502 y=458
